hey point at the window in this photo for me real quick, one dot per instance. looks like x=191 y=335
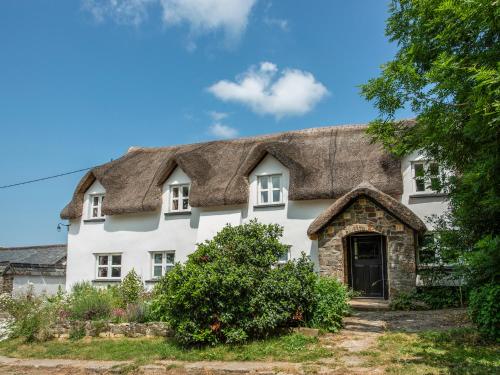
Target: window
x=426 y=176
x=284 y=258
x=269 y=189
x=109 y=266
x=96 y=206
x=179 y=198
x=162 y=263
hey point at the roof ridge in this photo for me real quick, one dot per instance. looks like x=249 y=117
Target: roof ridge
x=133 y=149
x=33 y=247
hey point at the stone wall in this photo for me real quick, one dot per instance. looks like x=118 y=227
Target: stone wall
x=365 y=215
x=106 y=329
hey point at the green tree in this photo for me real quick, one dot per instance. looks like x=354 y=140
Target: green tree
x=447 y=70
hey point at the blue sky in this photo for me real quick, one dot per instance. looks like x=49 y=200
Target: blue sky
x=81 y=81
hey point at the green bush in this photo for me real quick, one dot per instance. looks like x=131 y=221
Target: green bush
x=90 y=303
x=331 y=304
x=429 y=298
x=484 y=309
x=231 y=290
x=130 y=289
x=404 y=301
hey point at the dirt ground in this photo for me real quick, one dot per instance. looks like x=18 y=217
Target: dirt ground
x=359 y=334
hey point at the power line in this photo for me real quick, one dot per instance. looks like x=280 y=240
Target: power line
x=44 y=178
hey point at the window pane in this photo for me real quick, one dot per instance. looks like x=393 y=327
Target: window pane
x=419 y=170
x=264 y=197
x=116 y=260
x=103 y=259
x=157 y=271
x=185 y=191
x=168 y=268
x=94 y=212
x=276 y=181
x=116 y=271
x=283 y=258
x=276 y=195
x=102 y=272
x=185 y=204
x=170 y=258
x=420 y=184
x=158 y=258
x=175 y=205
x=263 y=182
x=95 y=201
x=175 y=192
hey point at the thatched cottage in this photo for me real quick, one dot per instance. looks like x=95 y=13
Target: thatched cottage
x=356 y=210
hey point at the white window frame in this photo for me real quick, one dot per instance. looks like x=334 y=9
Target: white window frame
x=109 y=266
x=427 y=178
x=100 y=198
x=164 y=264
x=270 y=189
x=180 y=198
x=288 y=257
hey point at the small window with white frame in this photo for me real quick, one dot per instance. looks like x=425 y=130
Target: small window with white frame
x=179 y=198
x=269 y=189
x=284 y=258
x=96 y=201
x=426 y=176
x=109 y=266
x=162 y=262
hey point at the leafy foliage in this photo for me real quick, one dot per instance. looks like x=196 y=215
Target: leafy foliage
x=230 y=289
x=447 y=71
x=33 y=317
x=130 y=289
x=330 y=304
x=90 y=303
x=484 y=309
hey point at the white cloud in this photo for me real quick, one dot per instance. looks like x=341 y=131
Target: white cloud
x=201 y=16
x=130 y=12
x=292 y=92
x=222 y=131
x=208 y=15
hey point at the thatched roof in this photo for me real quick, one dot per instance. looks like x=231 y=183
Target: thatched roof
x=396 y=208
x=323 y=163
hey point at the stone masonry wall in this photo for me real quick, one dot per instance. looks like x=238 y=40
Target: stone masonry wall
x=364 y=215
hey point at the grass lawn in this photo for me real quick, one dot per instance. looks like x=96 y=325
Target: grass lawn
x=458 y=351
x=291 y=348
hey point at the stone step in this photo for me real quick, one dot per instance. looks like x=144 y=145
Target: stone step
x=369 y=304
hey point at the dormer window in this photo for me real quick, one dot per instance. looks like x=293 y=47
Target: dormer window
x=426 y=177
x=179 y=198
x=269 y=189
x=96 y=206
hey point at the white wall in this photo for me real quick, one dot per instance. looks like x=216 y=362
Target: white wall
x=40 y=284
x=422 y=204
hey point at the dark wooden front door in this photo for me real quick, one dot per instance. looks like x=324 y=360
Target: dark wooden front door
x=367 y=265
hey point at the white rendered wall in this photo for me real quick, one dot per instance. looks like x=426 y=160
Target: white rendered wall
x=48 y=285
x=422 y=204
